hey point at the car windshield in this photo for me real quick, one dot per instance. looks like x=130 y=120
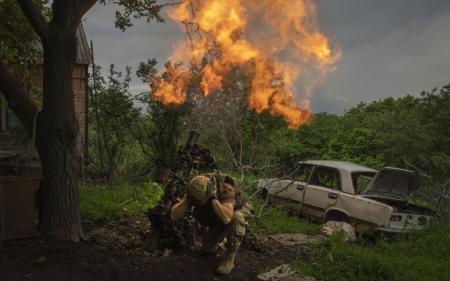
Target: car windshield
x=361 y=180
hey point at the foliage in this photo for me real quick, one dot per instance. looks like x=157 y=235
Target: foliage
x=19 y=45
x=130 y=134
x=116 y=200
x=148 y=9
x=420 y=256
x=112 y=113
x=381 y=133
x=159 y=127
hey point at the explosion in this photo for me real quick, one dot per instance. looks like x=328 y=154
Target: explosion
x=276 y=40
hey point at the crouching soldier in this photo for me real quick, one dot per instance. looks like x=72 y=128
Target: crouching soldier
x=216 y=205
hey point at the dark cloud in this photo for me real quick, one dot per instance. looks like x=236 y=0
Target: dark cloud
x=390 y=48
x=139 y=42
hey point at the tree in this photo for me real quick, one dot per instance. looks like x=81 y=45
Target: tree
x=435 y=113
x=113 y=113
x=55 y=125
x=158 y=128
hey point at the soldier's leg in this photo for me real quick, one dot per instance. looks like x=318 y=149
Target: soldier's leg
x=212 y=238
x=235 y=234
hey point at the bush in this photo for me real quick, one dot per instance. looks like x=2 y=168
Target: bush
x=116 y=200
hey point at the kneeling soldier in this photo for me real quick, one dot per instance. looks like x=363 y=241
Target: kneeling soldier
x=218 y=210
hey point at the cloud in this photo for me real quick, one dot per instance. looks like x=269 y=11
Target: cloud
x=402 y=62
x=139 y=42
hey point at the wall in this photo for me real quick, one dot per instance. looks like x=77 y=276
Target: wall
x=79 y=88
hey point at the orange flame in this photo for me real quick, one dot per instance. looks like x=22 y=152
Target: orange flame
x=279 y=38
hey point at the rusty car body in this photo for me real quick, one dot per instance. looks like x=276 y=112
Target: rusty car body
x=343 y=191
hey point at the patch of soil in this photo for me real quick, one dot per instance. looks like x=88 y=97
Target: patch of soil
x=99 y=259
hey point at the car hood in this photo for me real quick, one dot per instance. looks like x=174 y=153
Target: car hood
x=393 y=183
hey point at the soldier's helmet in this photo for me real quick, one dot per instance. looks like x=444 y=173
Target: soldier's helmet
x=197 y=188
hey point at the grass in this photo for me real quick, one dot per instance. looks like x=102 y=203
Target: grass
x=116 y=200
x=421 y=256
x=276 y=220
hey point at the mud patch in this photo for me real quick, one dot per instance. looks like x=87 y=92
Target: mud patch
x=114 y=251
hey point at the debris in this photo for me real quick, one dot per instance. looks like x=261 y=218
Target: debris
x=256 y=242
x=41 y=259
x=284 y=272
x=333 y=227
x=290 y=240
x=278 y=273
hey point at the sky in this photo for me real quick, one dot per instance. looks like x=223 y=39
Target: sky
x=389 y=48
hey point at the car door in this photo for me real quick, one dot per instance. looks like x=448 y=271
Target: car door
x=291 y=190
x=321 y=192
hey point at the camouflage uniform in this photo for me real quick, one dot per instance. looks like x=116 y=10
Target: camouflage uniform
x=233 y=232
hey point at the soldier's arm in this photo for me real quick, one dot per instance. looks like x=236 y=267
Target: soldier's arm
x=179 y=209
x=224 y=211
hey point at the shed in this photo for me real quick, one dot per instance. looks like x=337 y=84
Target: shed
x=80 y=88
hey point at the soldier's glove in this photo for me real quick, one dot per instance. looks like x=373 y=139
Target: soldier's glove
x=211 y=192
x=212 y=196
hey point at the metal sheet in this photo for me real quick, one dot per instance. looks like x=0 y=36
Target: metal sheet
x=18 y=212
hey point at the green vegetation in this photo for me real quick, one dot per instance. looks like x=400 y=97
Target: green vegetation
x=250 y=146
x=116 y=200
x=276 y=220
x=376 y=134
x=418 y=256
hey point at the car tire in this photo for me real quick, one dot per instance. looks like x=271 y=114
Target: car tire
x=337 y=216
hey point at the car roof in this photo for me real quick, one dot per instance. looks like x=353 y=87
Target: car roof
x=341 y=165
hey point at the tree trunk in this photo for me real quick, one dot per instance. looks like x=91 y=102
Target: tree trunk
x=56 y=140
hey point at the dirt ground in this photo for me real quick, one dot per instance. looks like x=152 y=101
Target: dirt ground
x=40 y=259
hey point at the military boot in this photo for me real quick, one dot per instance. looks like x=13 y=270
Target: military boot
x=227 y=265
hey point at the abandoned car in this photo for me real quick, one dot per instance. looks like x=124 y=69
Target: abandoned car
x=342 y=191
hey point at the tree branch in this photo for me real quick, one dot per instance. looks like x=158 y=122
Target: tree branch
x=35 y=18
x=85 y=5
x=18 y=99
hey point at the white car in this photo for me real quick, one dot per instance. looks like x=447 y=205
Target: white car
x=343 y=191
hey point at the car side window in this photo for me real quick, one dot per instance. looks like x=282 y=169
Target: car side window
x=304 y=173
x=326 y=177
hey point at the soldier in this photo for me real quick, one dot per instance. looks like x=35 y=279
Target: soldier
x=219 y=210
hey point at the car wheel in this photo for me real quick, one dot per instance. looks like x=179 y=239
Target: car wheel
x=337 y=216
